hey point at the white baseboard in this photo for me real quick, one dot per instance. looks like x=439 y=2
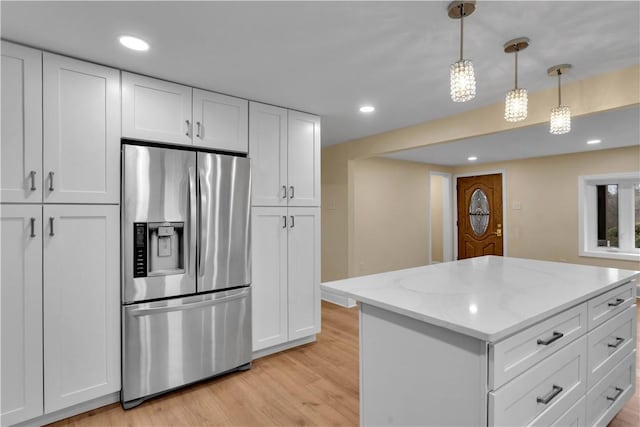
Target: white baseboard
x=285 y=346
x=337 y=299
x=72 y=410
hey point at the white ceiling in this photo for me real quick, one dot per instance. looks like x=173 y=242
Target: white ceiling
x=329 y=58
x=616 y=128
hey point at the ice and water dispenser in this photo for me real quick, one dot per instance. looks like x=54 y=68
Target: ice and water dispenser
x=158 y=248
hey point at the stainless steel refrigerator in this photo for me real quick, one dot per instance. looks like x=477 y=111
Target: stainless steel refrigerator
x=186 y=296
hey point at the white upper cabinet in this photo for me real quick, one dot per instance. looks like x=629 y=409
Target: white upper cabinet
x=81 y=122
x=21 y=298
x=81 y=303
x=21 y=148
x=284 y=147
x=155 y=110
x=268 y=154
x=221 y=122
x=303 y=159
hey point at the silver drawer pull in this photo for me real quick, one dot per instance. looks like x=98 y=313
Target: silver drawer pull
x=51 y=180
x=615 y=397
x=284 y=191
x=198 y=131
x=292 y=192
x=188 y=127
x=550 y=396
x=284 y=217
x=618 y=342
x=51 y=233
x=556 y=336
x=293 y=223
x=33 y=228
x=32 y=175
x=617 y=303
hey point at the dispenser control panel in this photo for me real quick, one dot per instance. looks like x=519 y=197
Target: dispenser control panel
x=140 y=249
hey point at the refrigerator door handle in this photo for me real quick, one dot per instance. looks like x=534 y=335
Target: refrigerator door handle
x=202 y=220
x=192 y=206
x=182 y=307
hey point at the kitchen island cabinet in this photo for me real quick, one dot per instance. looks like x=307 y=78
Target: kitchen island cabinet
x=495 y=341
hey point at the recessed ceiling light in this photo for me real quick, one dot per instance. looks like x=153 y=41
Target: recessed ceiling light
x=472 y=158
x=367 y=109
x=594 y=141
x=134 y=43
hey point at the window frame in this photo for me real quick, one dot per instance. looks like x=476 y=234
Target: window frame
x=588 y=215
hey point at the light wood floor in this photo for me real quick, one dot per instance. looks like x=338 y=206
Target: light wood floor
x=316 y=384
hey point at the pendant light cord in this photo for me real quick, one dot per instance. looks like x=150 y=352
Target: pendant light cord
x=516 y=67
x=559 y=89
x=461 y=27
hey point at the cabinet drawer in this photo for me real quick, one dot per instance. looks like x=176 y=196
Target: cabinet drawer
x=609 y=343
x=514 y=355
x=574 y=417
x=544 y=392
x=608 y=396
x=607 y=305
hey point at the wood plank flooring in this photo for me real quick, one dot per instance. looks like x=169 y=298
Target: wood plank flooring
x=315 y=385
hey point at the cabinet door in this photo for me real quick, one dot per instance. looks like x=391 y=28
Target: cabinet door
x=21 y=298
x=81 y=116
x=81 y=303
x=304 y=272
x=155 y=110
x=268 y=154
x=269 y=276
x=221 y=122
x=21 y=148
x=303 y=159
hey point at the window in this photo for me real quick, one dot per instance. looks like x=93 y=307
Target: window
x=609 y=210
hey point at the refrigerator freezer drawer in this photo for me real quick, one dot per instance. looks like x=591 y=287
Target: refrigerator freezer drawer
x=175 y=342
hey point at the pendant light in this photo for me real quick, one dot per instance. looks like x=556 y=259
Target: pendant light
x=516 y=100
x=560 y=121
x=463 y=79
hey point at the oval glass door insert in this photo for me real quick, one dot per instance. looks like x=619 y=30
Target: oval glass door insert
x=479 y=212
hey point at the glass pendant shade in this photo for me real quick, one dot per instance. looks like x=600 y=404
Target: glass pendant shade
x=515 y=106
x=463 y=81
x=560 y=120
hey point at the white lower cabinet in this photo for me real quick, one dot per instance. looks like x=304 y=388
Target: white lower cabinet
x=21 y=297
x=60 y=307
x=285 y=274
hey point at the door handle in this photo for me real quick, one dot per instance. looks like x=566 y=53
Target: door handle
x=33 y=228
x=556 y=390
x=293 y=224
x=182 y=307
x=188 y=127
x=51 y=233
x=284 y=217
x=204 y=243
x=619 y=341
x=51 y=180
x=32 y=175
x=284 y=191
x=556 y=336
x=617 y=395
x=191 y=248
x=291 y=192
x=198 y=131
x=617 y=303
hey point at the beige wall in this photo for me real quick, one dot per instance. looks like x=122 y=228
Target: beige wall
x=601 y=93
x=546 y=225
x=435 y=204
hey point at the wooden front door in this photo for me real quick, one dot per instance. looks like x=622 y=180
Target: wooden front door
x=479 y=215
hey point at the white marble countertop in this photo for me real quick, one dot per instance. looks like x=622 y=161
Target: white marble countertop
x=488 y=298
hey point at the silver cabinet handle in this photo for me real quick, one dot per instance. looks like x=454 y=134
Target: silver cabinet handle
x=182 y=307
x=284 y=191
x=32 y=175
x=617 y=395
x=198 y=131
x=188 y=127
x=284 y=217
x=51 y=180
x=619 y=341
x=291 y=192
x=33 y=228
x=293 y=224
x=51 y=233
x=556 y=390
x=556 y=336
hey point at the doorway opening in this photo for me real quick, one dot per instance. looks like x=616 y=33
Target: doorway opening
x=440 y=217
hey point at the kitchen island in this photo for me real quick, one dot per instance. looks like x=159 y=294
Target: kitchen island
x=495 y=341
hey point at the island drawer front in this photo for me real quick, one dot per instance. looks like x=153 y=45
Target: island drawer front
x=574 y=417
x=514 y=355
x=547 y=390
x=607 y=305
x=607 y=397
x=609 y=343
